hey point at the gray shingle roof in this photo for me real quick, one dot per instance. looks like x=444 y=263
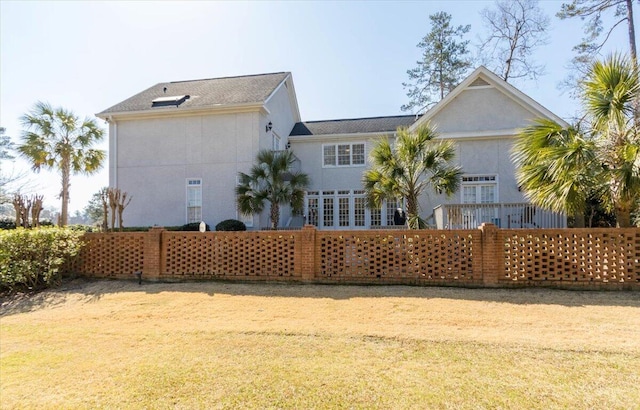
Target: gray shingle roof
x=352 y=126
x=204 y=93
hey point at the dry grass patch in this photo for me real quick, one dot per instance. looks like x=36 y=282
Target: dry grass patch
x=219 y=345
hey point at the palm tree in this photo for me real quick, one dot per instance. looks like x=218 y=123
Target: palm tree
x=56 y=139
x=271 y=180
x=557 y=168
x=560 y=168
x=612 y=97
x=405 y=169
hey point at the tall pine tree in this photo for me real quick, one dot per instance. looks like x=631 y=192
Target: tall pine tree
x=445 y=61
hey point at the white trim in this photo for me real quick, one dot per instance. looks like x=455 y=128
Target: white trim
x=187 y=187
x=295 y=110
x=495 y=182
x=342 y=137
x=507 y=89
x=181 y=112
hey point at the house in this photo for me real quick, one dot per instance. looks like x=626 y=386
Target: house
x=177 y=148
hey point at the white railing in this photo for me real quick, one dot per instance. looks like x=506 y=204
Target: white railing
x=503 y=215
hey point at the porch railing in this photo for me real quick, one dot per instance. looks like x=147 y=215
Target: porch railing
x=503 y=215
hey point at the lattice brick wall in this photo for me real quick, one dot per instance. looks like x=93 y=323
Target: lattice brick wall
x=425 y=255
x=573 y=255
x=112 y=255
x=229 y=253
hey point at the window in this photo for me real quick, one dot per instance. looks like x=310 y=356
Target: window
x=275 y=141
x=327 y=207
x=358 y=154
x=194 y=200
x=312 y=210
x=392 y=205
x=345 y=209
x=359 y=211
x=376 y=217
x=479 y=189
x=343 y=155
x=329 y=155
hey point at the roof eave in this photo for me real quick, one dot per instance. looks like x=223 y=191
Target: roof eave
x=357 y=135
x=512 y=92
x=214 y=109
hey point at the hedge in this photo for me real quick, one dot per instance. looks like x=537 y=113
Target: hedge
x=32 y=259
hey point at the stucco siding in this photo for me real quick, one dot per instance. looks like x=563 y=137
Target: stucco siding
x=156 y=156
x=326 y=178
x=281 y=115
x=481 y=109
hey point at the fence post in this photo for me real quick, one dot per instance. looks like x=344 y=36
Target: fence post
x=152 y=253
x=491 y=255
x=308 y=252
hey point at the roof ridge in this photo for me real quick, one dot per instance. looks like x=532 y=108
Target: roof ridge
x=364 y=118
x=226 y=78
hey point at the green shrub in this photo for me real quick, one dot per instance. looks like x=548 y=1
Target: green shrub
x=194 y=226
x=7 y=223
x=231 y=225
x=36 y=258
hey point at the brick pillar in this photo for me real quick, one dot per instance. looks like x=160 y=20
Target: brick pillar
x=308 y=252
x=492 y=255
x=152 y=253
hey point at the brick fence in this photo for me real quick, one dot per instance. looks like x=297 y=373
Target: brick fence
x=483 y=257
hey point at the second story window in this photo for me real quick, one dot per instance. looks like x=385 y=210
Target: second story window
x=343 y=155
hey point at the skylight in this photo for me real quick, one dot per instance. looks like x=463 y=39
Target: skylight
x=168 y=101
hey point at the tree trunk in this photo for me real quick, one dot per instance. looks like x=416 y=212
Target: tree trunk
x=623 y=218
x=275 y=215
x=412 y=212
x=65 y=170
x=632 y=33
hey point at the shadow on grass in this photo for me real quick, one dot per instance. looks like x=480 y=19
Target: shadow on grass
x=90 y=291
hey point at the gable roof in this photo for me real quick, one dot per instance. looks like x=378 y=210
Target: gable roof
x=195 y=94
x=352 y=126
x=483 y=77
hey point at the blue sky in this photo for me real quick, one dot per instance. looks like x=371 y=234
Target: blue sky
x=348 y=58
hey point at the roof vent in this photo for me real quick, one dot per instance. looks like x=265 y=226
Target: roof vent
x=169 y=101
x=479 y=82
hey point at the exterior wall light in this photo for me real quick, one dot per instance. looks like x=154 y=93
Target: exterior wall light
x=268 y=127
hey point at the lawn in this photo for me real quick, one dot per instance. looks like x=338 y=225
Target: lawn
x=108 y=344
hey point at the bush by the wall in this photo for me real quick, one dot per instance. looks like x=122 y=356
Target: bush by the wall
x=193 y=227
x=36 y=258
x=231 y=225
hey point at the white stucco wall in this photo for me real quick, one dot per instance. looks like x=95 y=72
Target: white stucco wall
x=156 y=156
x=481 y=109
x=329 y=178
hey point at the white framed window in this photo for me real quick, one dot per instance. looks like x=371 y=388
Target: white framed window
x=479 y=189
x=275 y=141
x=328 y=155
x=327 y=208
x=343 y=155
x=194 y=200
x=346 y=209
x=312 y=207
